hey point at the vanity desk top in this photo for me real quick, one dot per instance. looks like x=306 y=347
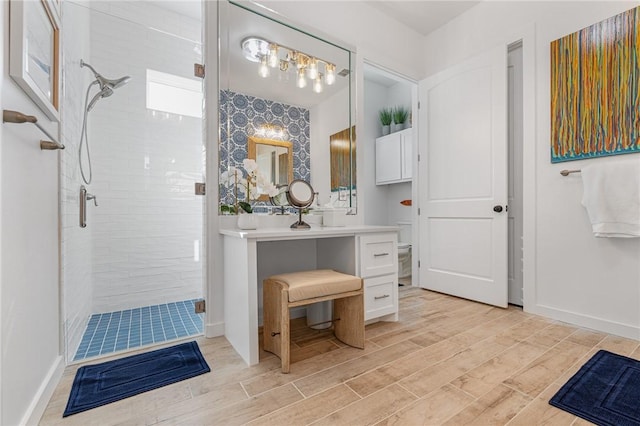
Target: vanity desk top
x=282 y=233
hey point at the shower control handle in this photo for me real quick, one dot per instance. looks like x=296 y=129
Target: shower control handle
x=94 y=198
x=84 y=196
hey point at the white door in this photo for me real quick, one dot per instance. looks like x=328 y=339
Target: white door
x=463 y=183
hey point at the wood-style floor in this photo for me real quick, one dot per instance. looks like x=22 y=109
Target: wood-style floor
x=447 y=361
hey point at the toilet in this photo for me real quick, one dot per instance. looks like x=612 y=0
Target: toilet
x=404 y=249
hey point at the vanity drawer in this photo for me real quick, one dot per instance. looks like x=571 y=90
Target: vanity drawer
x=380 y=296
x=378 y=255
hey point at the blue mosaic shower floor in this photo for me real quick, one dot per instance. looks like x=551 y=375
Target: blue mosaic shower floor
x=116 y=331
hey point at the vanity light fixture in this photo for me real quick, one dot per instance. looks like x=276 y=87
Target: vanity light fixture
x=270 y=131
x=317 y=85
x=272 y=55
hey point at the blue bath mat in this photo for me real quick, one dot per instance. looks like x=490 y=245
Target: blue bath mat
x=605 y=391
x=101 y=384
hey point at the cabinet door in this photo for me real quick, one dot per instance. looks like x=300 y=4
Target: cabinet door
x=388 y=159
x=407 y=159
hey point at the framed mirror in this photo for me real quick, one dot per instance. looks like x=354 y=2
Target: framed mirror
x=282 y=88
x=274 y=159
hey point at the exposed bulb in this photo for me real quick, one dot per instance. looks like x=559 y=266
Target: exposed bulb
x=313 y=69
x=331 y=74
x=302 y=81
x=263 y=71
x=273 y=55
x=317 y=85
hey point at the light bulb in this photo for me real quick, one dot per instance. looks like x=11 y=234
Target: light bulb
x=263 y=71
x=317 y=85
x=302 y=81
x=331 y=74
x=273 y=55
x=313 y=69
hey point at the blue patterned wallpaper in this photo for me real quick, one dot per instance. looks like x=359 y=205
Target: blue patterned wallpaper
x=244 y=115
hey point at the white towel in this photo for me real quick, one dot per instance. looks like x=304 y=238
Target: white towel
x=612 y=198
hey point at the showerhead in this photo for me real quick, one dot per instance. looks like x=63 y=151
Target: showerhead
x=104 y=93
x=105 y=82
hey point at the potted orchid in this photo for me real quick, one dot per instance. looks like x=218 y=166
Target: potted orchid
x=247 y=184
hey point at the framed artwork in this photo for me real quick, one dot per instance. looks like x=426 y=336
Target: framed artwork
x=342 y=148
x=34 y=52
x=595 y=102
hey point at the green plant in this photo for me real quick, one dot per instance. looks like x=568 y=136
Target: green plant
x=245 y=206
x=386 y=115
x=400 y=114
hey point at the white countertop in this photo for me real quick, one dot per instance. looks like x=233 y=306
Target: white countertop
x=280 y=233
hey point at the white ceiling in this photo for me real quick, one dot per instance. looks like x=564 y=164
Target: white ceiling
x=423 y=16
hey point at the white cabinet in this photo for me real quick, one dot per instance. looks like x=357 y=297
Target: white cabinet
x=394 y=157
x=378 y=266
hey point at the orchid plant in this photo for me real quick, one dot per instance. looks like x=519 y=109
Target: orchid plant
x=247 y=183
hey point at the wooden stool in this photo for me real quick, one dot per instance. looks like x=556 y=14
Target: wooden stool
x=281 y=292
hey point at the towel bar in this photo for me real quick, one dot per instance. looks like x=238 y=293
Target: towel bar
x=9 y=116
x=568 y=172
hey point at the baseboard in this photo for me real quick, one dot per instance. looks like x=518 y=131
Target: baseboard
x=586 y=321
x=41 y=399
x=214 y=330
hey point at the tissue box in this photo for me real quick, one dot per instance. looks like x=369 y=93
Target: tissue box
x=334 y=217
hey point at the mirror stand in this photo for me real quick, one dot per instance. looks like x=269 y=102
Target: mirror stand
x=300 y=224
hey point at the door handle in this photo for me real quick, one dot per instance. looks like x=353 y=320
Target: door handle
x=497 y=209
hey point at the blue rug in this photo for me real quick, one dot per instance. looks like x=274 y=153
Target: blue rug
x=605 y=391
x=101 y=384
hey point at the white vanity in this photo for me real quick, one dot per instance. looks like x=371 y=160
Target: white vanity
x=250 y=256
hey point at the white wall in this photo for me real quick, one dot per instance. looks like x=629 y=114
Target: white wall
x=569 y=274
x=375 y=209
x=30 y=361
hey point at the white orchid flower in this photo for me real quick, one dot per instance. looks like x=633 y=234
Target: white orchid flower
x=250 y=165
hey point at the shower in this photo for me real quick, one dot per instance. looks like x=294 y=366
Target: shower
x=106 y=89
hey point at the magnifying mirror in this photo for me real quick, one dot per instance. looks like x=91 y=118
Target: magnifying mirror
x=300 y=194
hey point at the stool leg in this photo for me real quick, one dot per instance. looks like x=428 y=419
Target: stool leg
x=285 y=331
x=350 y=328
x=271 y=316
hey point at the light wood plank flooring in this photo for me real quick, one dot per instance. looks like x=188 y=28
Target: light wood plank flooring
x=447 y=361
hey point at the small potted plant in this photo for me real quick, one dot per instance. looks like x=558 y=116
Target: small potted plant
x=386 y=116
x=400 y=115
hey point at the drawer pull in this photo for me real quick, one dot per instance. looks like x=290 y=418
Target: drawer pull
x=380 y=254
x=384 y=296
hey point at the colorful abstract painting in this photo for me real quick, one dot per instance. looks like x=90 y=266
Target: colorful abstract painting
x=595 y=96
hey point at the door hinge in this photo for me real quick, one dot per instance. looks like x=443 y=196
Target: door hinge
x=418 y=263
x=418 y=104
x=198 y=70
x=418 y=158
x=200 y=307
x=418 y=211
x=201 y=188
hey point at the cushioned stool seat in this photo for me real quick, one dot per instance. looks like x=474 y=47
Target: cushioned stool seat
x=284 y=291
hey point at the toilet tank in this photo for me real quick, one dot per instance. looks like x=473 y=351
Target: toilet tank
x=404 y=234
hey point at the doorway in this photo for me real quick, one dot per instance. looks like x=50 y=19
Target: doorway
x=390 y=163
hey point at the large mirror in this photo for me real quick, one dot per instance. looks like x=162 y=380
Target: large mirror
x=283 y=94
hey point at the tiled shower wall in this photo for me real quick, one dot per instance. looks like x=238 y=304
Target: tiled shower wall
x=143 y=243
x=76 y=242
x=147 y=230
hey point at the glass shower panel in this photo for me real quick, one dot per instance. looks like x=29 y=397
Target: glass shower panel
x=144 y=239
